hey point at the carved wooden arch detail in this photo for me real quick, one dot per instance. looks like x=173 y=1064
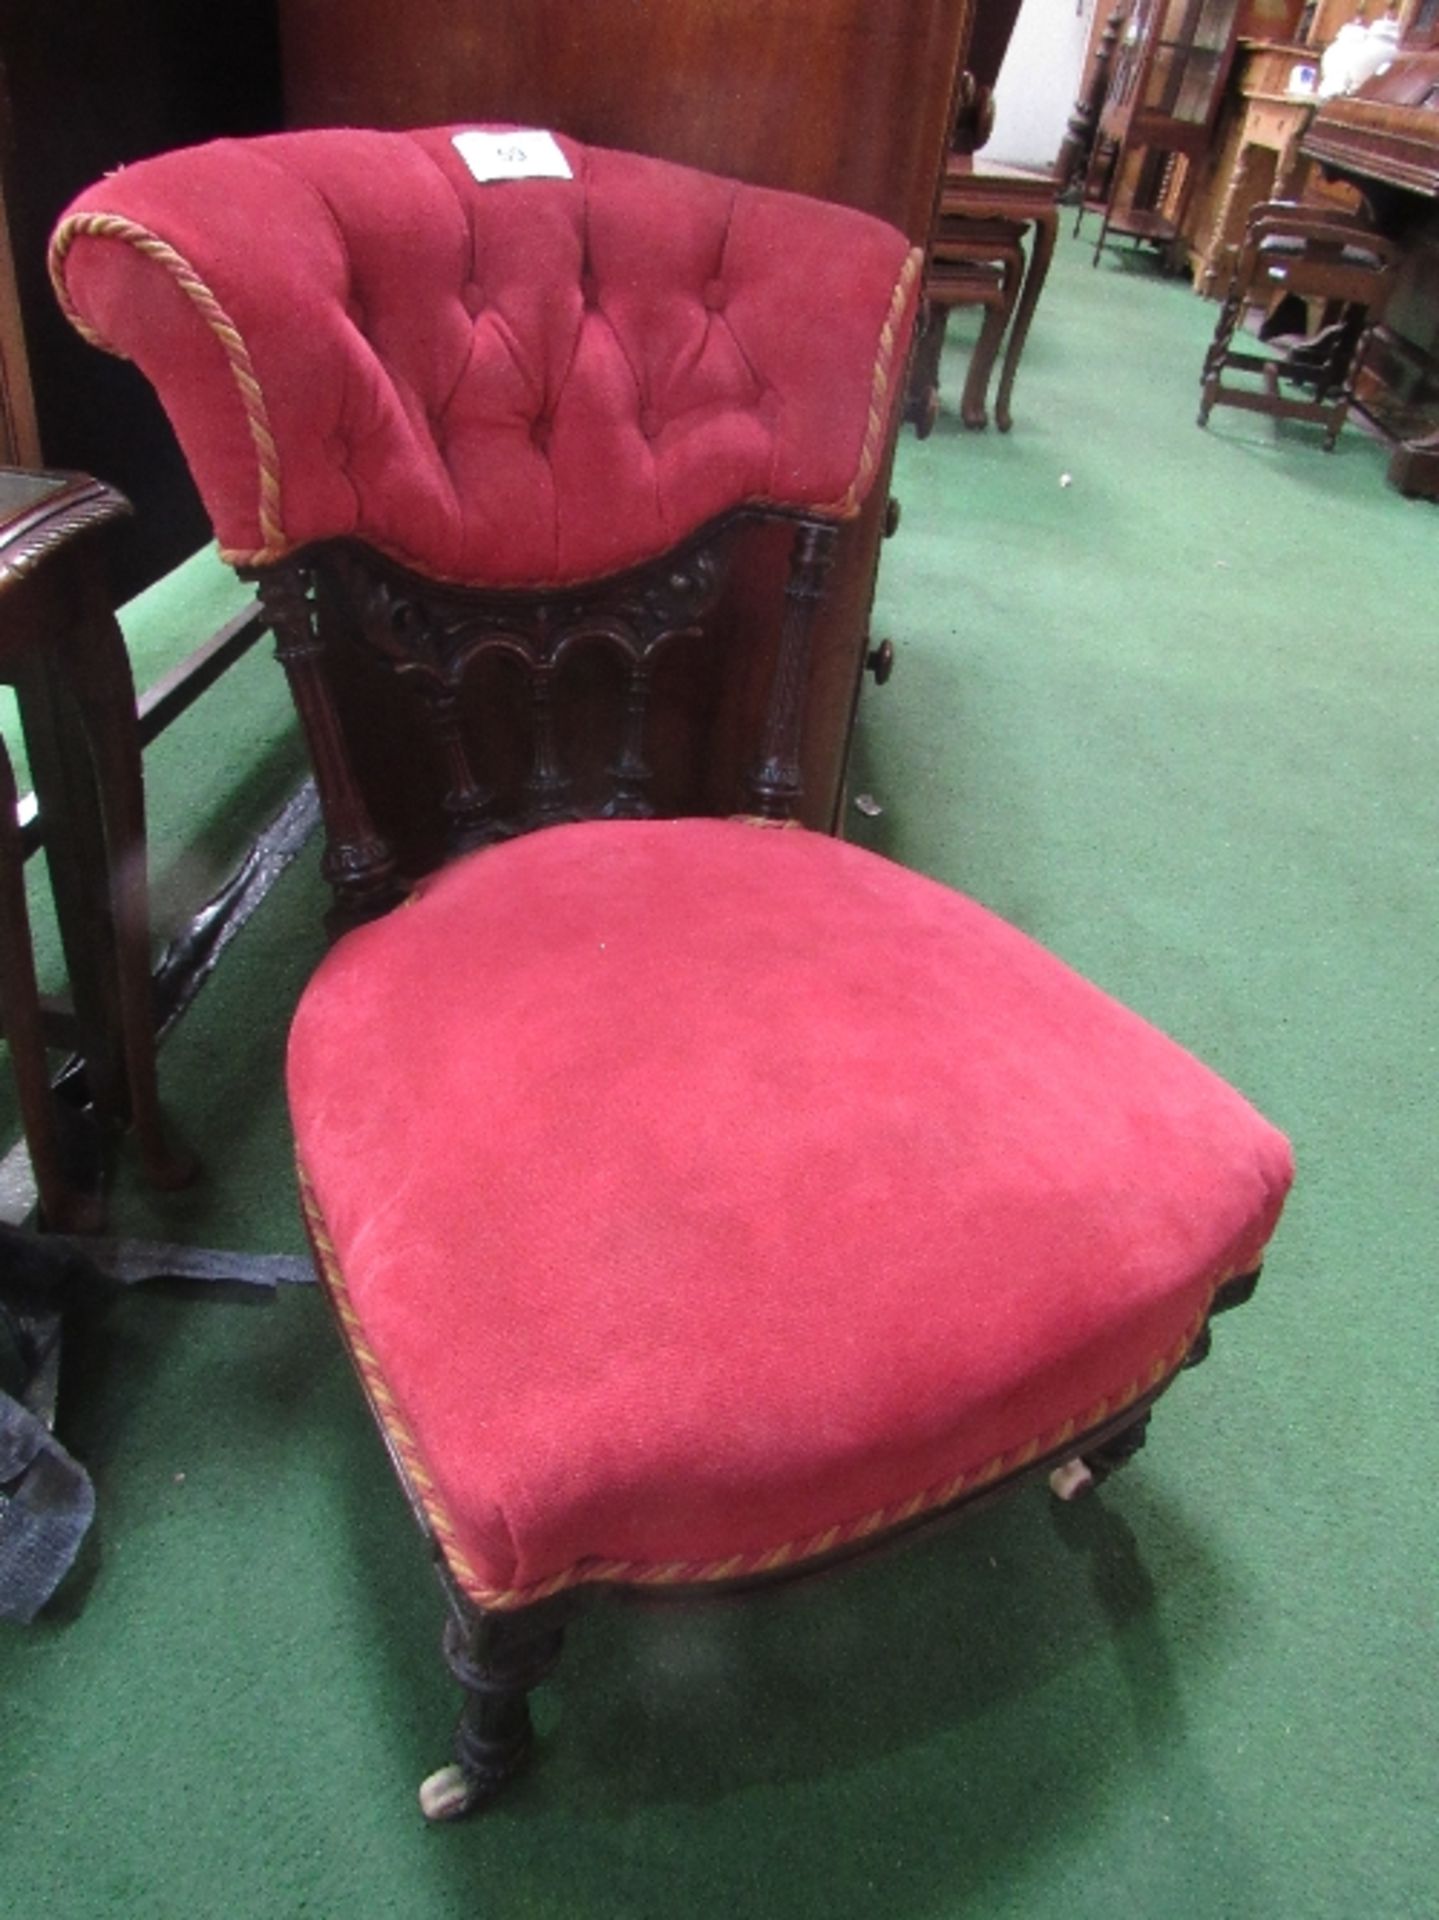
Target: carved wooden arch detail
x=430 y=634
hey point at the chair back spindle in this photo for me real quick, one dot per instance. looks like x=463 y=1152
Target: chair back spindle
x=775 y=782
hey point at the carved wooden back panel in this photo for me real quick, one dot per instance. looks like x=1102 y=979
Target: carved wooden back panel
x=525 y=709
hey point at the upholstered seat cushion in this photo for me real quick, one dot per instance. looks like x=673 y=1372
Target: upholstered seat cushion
x=506 y=383
x=698 y=1197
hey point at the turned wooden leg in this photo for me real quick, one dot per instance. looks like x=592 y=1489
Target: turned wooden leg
x=358 y=862
x=774 y=782
x=1231 y=312
x=497 y=1658
x=1084 y=1471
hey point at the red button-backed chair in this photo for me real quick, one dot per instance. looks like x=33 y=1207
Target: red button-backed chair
x=699 y=1200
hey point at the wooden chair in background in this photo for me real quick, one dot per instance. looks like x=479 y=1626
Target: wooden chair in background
x=1330 y=265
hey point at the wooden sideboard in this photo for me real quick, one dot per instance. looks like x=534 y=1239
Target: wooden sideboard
x=842 y=99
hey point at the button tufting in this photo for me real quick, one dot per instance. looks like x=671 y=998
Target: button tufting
x=355 y=314
x=540 y=430
x=651 y=425
x=590 y=290
x=472 y=298
x=338 y=448
x=716 y=295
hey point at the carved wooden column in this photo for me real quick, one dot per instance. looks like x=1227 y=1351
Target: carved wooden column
x=775 y=783
x=1074 y=153
x=357 y=863
x=631 y=771
x=548 y=787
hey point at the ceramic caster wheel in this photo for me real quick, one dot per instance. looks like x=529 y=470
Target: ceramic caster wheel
x=1071 y=1480
x=449 y=1793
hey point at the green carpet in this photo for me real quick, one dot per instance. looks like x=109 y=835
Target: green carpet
x=1175 y=718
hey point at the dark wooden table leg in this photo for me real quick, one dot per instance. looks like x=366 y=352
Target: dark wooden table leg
x=93 y=658
x=973 y=404
x=1041 y=252
x=65 y=1207
x=74 y=853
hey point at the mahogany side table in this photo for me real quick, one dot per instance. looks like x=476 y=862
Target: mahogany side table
x=984 y=216
x=62 y=651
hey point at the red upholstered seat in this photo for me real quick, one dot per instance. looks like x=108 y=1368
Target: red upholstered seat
x=515 y=383
x=699 y=1198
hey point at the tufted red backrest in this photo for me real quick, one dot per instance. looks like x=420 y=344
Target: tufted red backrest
x=526 y=382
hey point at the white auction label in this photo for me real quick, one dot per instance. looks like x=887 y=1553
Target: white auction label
x=524 y=154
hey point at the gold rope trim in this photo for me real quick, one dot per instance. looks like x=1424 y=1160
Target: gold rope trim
x=112 y=226
x=639 y=1573
x=388 y=1414
x=877 y=422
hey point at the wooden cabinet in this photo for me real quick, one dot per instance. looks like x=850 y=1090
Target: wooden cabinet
x=839 y=98
x=1155 y=126
x=844 y=99
x=1256 y=156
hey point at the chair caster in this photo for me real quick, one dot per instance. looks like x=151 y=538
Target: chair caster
x=1081 y=1473
x=449 y=1793
x=1071 y=1480
x=497 y=1658
x=487 y=1766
